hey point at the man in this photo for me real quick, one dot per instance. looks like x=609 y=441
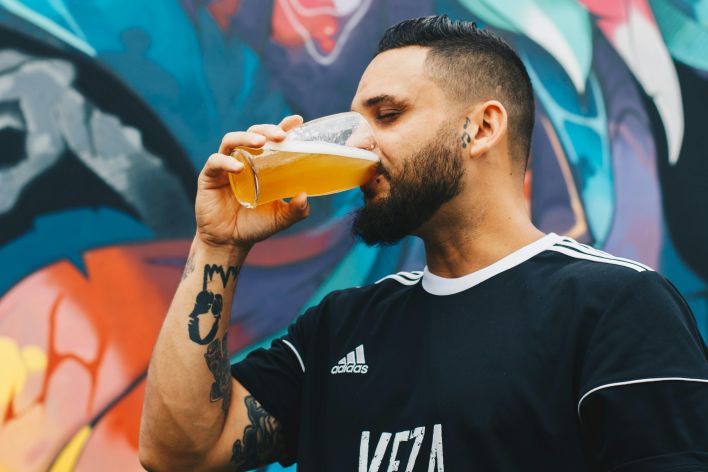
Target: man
x=512 y=350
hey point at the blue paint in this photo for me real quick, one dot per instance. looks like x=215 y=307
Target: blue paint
x=53 y=23
x=581 y=124
x=280 y=468
x=691 y=286
x=199 y=82
x=66 y=235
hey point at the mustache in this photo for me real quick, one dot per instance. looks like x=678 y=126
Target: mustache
x=380 y=169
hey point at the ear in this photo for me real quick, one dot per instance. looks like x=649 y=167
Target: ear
x=483 y=128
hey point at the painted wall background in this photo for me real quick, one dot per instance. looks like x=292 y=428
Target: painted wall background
x=109 y=108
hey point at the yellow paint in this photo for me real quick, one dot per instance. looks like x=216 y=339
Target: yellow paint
x=17 y=365
x=35 y=358
x=67 y=458
x=14 y=375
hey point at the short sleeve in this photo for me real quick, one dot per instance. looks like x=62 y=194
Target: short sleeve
x=274 y=376
x=643 y=399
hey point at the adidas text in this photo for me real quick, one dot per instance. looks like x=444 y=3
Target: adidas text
x=353 y=363
x=350 y=369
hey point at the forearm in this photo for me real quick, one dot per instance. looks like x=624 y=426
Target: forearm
x=188 y=389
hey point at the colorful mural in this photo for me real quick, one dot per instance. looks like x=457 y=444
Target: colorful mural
x=108 y=109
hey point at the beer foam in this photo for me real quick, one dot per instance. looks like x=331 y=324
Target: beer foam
x=318 y=147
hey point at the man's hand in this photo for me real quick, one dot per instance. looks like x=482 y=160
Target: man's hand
x=195 y=415
x=221 y=220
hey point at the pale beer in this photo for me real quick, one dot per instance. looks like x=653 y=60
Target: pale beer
x=281 y=170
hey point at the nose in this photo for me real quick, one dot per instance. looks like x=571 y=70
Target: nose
x=362 y=137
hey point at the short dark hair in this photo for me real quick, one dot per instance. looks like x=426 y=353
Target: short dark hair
x=472 y=64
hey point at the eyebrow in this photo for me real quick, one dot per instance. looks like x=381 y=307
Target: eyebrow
x=382 y=99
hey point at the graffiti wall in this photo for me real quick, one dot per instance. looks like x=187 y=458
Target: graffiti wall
x=108 y=109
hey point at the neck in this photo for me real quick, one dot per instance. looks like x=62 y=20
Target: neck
x=457 y=246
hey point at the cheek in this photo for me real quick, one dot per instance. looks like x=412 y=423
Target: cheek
x=404 y=139
x=394 y=150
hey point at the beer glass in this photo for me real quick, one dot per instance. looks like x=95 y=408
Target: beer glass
x=320 y=157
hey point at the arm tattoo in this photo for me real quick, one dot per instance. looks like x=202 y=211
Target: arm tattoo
x=207 y=301
x=217 y=359
x=263 y=439
x=210 y=270
x=189 y=266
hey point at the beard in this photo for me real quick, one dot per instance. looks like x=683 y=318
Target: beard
x=429 y=179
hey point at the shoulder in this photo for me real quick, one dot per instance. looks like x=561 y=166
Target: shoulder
x=616 y=291
x=387 y=287
x=583 y=264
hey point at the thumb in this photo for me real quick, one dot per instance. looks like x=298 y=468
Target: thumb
x=296 y=209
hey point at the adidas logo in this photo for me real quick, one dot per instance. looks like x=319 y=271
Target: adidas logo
x=352 y=363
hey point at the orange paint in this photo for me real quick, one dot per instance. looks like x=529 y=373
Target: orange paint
x=116 y=310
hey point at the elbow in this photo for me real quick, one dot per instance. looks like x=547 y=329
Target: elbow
x=148 y=455
x=159 y=449
x=150 y=458
x=157 y=462
x=154 y=459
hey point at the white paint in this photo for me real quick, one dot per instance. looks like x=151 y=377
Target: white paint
x=346 y=7
x=641 y=46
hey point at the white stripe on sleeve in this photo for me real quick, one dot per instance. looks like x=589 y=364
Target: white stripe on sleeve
x=297 y=354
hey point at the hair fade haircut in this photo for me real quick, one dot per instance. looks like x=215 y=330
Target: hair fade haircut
x=471 y=65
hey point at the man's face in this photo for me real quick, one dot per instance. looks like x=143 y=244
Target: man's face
x=429 y=178
x=415 y=133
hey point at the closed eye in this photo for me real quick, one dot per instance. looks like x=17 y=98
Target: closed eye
x=387 y=117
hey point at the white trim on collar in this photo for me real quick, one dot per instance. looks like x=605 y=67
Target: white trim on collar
x=436 y=285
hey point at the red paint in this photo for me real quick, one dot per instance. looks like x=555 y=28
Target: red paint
x=223 y=11
x=292 y=26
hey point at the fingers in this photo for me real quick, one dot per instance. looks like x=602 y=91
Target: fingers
x=295 y=210
x=218 y=164
x=232 y=140
x=271 y=132
x=290 y=122
x=299 y=202
x=257 y=135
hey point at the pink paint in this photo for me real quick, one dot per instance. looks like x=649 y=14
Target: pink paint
x=72 y=322
x=611 y=14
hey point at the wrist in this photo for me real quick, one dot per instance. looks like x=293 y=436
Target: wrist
x=232 y=252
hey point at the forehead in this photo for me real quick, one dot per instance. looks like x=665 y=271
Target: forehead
x=398 y=73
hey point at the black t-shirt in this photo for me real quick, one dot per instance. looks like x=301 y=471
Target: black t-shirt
x=558 y=357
